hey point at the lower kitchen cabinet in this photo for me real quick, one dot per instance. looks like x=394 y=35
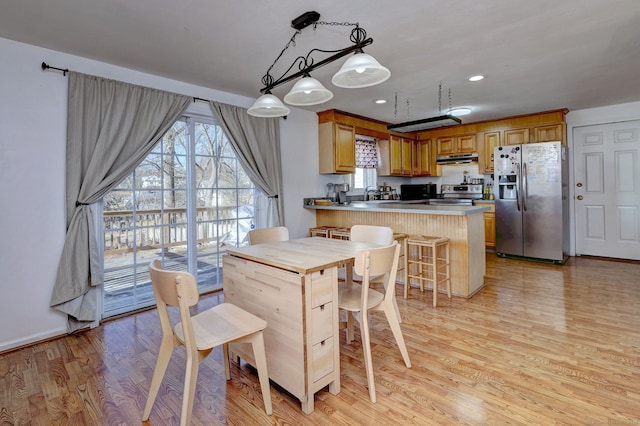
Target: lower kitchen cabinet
x=489 y=224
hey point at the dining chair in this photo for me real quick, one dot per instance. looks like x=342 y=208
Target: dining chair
x=359 y=300
x=381 y=235
x=200 y=334
x=268 y=235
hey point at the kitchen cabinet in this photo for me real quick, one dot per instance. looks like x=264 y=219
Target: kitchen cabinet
x=489 y=224
x=395 y=157
x=337 y=148
x=552 y=133
x=516 y=136
x=422 y=159
x=485 y=161
x=447 y=145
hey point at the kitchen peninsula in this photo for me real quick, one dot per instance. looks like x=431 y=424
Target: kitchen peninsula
x=463 y=225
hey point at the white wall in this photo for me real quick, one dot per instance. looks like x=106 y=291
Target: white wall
x=32 y=173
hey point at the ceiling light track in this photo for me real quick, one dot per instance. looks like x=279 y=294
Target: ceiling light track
x=361 y=70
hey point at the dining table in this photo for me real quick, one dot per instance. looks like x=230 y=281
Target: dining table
x=293 y=285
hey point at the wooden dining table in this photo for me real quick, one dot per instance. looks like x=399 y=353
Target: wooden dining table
x=293 y=285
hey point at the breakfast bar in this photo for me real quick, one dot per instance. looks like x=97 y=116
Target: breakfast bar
x=463 y=225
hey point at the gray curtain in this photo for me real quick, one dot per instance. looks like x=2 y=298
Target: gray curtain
x=256 y=143
x=111 y=127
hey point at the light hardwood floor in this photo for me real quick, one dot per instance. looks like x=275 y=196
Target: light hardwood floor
x=541 y=344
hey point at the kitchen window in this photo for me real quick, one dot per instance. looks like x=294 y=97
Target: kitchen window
x=366 y=163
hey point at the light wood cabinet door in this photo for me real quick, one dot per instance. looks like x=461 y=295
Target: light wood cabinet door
x=489 y=224
x=345 y=152
x=395 y=155
x=516 y=136
x=422 y=159
x=447 y=145
x=337 y=148
x=490 y=229
x=467 y=144
x=552 y=133
x=407 y=157
x=490 y=141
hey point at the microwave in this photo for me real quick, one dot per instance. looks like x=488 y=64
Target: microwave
x=418 y=192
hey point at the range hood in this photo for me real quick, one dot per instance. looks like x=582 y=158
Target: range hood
x=457 y=159
x=425 y=124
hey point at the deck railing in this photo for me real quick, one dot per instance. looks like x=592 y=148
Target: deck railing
x=152 y=229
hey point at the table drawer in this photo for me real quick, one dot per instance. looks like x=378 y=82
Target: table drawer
x=322 y=320
x=323 y=359
x=322 y=286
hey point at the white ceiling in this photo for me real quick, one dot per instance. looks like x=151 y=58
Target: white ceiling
x=537 y=55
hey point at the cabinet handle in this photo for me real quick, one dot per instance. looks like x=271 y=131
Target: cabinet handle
x=322 y=307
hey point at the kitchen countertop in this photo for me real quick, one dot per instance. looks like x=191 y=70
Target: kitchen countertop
x=403 y=207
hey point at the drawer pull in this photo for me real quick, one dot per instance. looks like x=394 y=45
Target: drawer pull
x=322 y=307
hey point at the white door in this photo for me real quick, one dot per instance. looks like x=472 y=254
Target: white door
x=607 y=193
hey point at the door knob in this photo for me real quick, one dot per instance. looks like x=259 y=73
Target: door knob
x=580 y=197
x=579 y=184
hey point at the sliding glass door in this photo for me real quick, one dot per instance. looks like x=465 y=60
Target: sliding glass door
x=184 y=203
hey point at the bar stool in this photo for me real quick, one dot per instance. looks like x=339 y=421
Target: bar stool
x=400 y=238
x=341 y=233
x=321 y=231
x=429 y=257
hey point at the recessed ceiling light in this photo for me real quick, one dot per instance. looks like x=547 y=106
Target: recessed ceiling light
x=457 y=112
x=476 y=77
x=380 y=101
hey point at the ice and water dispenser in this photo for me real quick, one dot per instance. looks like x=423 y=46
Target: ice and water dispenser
x=507 y=163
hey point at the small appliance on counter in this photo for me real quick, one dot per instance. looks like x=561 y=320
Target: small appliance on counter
x=423 y=191
x=341 y=190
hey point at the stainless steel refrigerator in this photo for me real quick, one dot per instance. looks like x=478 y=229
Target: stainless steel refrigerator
x=530 y=187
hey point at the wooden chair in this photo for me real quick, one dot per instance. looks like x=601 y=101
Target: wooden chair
x=220 y=325
x=358 y=300
x=382 y=235
x=268 y=235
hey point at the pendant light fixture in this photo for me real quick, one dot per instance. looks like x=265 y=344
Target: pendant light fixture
x=308 y=91
x=268 y=105
x=361 y=70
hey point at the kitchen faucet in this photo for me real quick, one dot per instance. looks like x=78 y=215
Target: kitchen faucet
x=367 y=192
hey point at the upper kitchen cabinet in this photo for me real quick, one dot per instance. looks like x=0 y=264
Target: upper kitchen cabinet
x=337 y=132
x=550 y=133
x=539 y=127
x=490 y=141
x=337 y=148
x=422 y=158
x=396 y=156
x=447 y=145
x=516 y=136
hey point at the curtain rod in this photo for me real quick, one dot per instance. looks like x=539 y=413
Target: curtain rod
x=46 y=66
x=64 y=71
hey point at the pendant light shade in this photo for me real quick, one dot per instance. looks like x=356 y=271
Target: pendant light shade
x=308 y=91
x=360 y=70
x=268 y=105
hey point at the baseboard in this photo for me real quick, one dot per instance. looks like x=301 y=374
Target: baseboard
x=16 y=344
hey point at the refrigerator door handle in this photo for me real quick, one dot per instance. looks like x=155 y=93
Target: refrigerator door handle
x=524 y=186
x=517 y=186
